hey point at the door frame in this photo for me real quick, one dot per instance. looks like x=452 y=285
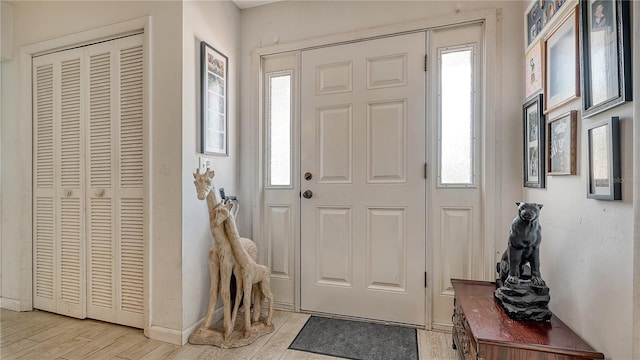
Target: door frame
x=25 y=112
x=491 y=173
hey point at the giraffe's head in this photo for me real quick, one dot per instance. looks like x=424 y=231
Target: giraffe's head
x=203 y=182
x=221 y=213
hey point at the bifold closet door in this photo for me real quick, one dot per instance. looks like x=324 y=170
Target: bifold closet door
x=59 y=276
x=115 y=226
x=88 y=181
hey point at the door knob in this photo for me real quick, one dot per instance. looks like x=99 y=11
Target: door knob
x=307 y=194
x=308 y=176
x=100 y=192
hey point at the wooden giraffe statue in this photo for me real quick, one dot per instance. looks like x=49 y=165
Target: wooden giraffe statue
x=250 y=271
x=221 y=261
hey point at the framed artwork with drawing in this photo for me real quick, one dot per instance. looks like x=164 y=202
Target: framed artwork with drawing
x=606 y=54
x=562 y=72
x=561 y=144
x=533 y=124
x=214 y=101
x=533 y=70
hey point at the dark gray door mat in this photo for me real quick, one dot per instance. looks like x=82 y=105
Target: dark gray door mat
x=356 y=340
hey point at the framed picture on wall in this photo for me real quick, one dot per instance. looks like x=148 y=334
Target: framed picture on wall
x=533 y=125
x=533 y=70
x=214 y=101
x=561 y=81
x=606 y=54
x=561 y=144
x=603 y=140
x=533 y=21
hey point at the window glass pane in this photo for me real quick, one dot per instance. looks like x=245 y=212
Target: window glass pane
x=279 y=111
x=456 y=122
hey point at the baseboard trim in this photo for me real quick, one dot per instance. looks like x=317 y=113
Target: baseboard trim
x=10 y=304
x=160 y=333
x=178 y=337
x=446 y=328
x=188 y=331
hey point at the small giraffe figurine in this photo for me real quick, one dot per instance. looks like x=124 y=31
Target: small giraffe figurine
x=250 y=271
x=221 y=259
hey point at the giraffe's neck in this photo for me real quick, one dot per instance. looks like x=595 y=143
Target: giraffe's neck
x=234 y=240
x=219 y=236
x=212 y=201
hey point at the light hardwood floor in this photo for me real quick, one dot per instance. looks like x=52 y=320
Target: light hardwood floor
x=42 y=335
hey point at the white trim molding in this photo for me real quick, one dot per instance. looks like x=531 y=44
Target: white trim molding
x=11 y=304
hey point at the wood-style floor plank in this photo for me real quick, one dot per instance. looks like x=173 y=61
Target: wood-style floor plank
x=42 y=335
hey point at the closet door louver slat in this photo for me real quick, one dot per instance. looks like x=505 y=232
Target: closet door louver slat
x=71 y=245
x=101 y=227
x=44 y=192
x=130 y=183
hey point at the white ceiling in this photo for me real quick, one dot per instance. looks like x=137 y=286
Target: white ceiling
x=245 y=4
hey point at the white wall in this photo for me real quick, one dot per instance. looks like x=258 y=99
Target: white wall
x=587 y=248
x=39 y=21
x=218 y=24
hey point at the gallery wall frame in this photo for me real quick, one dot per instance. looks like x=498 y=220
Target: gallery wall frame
x=533 y=124
x=541 y=14
x=561 y=63
x=214 y=70
x=561 y=144
x=605 y=69
x=533 y=70
x=603 y=165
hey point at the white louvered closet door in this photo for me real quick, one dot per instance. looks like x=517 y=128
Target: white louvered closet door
x=115 y=182
x=59 y=277
x=88 y=141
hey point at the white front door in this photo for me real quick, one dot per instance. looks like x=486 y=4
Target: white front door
x=362 y=179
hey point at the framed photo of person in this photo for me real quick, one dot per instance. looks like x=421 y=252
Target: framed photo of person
x=561 y=144
x=533 y=21
x=533 y=70
x=603 y=140
x=562 y=72
x=533 y=124
x=214 y=101
x=606 y=54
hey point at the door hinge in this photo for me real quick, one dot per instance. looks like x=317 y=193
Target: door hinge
x=425 y=279
x=425 y=62
x=425 y=170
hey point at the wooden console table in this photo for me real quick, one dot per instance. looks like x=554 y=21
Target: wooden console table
x=482 y=330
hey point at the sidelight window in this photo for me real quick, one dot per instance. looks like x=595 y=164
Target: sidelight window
x=278 y=121
x=456 y=116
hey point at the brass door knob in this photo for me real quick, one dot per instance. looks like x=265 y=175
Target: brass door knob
x=307 y=194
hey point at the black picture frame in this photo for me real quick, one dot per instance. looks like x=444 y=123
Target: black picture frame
x=533 y=140
x=605 y=69
x=562 y=144
x=214 y=101
x=603 y=165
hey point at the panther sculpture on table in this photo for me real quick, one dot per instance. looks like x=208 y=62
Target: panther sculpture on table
x=525 y=236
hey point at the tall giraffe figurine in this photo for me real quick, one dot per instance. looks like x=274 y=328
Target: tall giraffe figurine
x=221 y=263
x=250 y=271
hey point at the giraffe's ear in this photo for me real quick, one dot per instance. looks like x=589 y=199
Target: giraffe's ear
x=195 y=176
x=211 y=173
x=228 y=205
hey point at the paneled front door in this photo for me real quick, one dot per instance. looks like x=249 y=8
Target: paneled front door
x=363 y=199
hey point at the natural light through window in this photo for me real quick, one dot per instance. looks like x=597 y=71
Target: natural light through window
x=279 y=122
x=456 y=117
